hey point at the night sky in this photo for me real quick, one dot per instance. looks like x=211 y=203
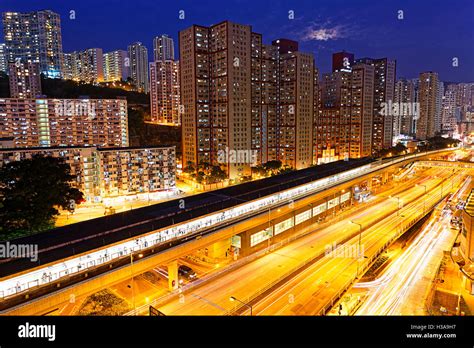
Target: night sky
x=427 y=38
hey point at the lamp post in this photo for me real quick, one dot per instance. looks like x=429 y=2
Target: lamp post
x=233 y=298
x=360 y=240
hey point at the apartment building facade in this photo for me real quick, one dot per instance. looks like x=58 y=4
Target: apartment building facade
x=138 y=55
x=84 y=66
x=344 y=120
x=116 y=66
x=429 y=98
x=164 y=92
x=384 y=92
x=33 y=122
x=113 y=172
x=34 y=37
x=25 y=80
x=243 y=95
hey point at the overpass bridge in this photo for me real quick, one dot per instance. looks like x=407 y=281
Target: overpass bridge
x=84 y=257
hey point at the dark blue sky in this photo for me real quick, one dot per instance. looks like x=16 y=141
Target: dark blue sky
x=430 y=35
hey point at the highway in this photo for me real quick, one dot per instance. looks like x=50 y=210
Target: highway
x=309 y=291
x=396 y=290
x=54 y=268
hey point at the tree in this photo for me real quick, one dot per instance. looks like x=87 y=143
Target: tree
x=136 y=124
x=400 y=149
x=216 y=174
x=286 y=169
x=272 y=165
x=189 y=168
x=30 y=191
x=438 y=142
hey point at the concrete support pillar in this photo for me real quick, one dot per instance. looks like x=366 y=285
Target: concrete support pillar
x=173 y=280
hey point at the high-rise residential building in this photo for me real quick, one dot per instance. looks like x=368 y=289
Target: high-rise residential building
x=344 y=119
x=451 y=112
x=105 y=173
x=428 y=96
x=465 y=99
x=242 y=96
x=465 y=94
x=363 y=83
x=416 y=94
x=265 y=136
x=3 y=59
x=25 y=80
x=70 y=68
x=164 y=92
x=116 y=66
x=138 y=55
x=84 y=66
x=35 y=37
x=215 y=82
x=163 y=48
x=404 y=99
x=295 y=106
x=332 y=126
x=33 y=122
x=384 y=89
x=439 y=107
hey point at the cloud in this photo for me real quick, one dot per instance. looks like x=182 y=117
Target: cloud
x=314 y=33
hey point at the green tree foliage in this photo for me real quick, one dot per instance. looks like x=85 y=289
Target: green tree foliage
x=30 y=192
x=439 y=142
x=136 y=124
x=216 y=174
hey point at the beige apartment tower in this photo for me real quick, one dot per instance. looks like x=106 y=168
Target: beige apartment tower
x=215 y=80
x=164 y=92
x=383 y=93
x=241 y=95
x=295 y=112
x=428 y=96
x=344 y=120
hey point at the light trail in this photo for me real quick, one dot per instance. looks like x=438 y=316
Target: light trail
x=386 y=294
x=44 y=275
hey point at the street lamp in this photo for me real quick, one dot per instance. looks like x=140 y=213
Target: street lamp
x=360 y=239
x=233 y=298
x=131 y=272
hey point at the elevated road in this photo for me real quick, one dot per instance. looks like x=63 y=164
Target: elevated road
x=55 y=268
x=266 y=272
